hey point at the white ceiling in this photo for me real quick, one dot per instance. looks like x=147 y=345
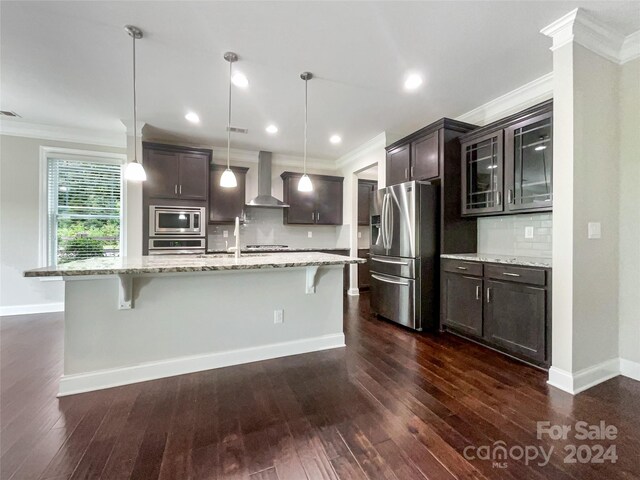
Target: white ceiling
x=69 y=64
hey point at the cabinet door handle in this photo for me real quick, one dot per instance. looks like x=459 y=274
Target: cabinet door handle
x=317 y=216
x=180 y=189
x=313 y=216
x=477 y=292
x=509 y=196
x=175 y=189
x=498 y=198
x=461 y=268
x=411 y=172
x=488 y=294
x=511 y=274
x=406 y=173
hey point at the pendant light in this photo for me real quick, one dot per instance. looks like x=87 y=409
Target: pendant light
x=304 y=184
x=134 y=171
x=228 y=179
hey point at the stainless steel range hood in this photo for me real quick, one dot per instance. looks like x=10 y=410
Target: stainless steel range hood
x=264 y=198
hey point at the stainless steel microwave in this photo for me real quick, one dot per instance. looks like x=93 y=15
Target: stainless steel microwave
x=176 y=221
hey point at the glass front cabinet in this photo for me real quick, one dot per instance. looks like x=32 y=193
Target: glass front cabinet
x=528 y=164
x=507 y=166
x=482 y=174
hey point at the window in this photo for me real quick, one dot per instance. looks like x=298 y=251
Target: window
x=84 y=207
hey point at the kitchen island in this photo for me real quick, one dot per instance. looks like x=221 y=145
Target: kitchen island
x=133 y=319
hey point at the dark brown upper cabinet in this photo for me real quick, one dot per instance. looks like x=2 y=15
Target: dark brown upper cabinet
x=482 y=173
x=433 y=154
x=225 y=204
x=529 y=164
x=424 y=158
x=175 y=172
x=365 y=189
x=507 y=165
x=322 y=206
x=399 y=165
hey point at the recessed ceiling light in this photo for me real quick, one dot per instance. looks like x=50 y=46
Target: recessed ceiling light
x=271 y=129
x=192 y=117
x=412 y=81
x=335 y=139
x=240 y=80
x=540 y=147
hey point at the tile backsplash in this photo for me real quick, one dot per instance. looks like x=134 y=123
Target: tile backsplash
x=264 y=226
x=506 y=235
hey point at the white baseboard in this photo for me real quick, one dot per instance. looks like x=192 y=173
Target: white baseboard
x=582 y=380
x=353 y=292
x=101 y=379
x=5 y=311
x=630 y=369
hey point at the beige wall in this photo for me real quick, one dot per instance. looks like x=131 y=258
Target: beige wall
x=19 y=220
x=586 y=179
x=629 y=273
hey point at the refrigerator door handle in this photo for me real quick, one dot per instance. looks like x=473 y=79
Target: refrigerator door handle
x=394 y=262
x=388 y=280
x=384 y=220
x=390 y=209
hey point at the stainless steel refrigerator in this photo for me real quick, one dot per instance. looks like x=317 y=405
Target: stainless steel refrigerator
x=404 y=247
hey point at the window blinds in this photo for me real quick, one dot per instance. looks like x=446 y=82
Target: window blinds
x=84 y=199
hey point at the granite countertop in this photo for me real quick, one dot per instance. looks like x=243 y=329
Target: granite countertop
x=189 y=263
x=288 y=249
x=507 y=259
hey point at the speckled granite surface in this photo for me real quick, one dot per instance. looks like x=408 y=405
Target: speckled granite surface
x=288 y=249
x=189 y=263
x=507 y=259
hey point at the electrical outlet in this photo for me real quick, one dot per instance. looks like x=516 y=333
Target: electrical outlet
x=225 y=233
x=594 y=230
x=278 y=316
x=528 y=232
x=310 y=234
x=359 y=234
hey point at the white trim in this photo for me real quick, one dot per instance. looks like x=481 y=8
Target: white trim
x=584 y=379
x=5 y=311
x=376 y=143
x=47 y=152
x=514 y=101
x=630 y=48
x=630 y=369
x=580 y=27
x=354 y=292
x=19 y=128
x=98 y=380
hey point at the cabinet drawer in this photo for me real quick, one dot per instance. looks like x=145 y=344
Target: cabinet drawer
x=461 y=266
x=532 y=276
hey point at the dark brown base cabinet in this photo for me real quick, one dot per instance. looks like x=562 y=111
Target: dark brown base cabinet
x=364 y=273
x=505 y=307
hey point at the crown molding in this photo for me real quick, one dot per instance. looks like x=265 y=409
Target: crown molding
x=529 y=94
x=630 y=48
x=580 y=27
x=63 y=134
x=376 y=143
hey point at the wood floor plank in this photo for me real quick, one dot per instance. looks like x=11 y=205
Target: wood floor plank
x=394 y=404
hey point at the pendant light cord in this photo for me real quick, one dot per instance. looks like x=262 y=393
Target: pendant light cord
x=229 y=121
x=135 y=117
x=304 y=168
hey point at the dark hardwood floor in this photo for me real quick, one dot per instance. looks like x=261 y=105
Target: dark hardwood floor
x=392 y=405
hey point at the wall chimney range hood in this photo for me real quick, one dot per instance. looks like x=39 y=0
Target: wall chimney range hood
x=264 y=198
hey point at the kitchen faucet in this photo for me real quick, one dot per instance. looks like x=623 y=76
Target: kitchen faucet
x=236 y=233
